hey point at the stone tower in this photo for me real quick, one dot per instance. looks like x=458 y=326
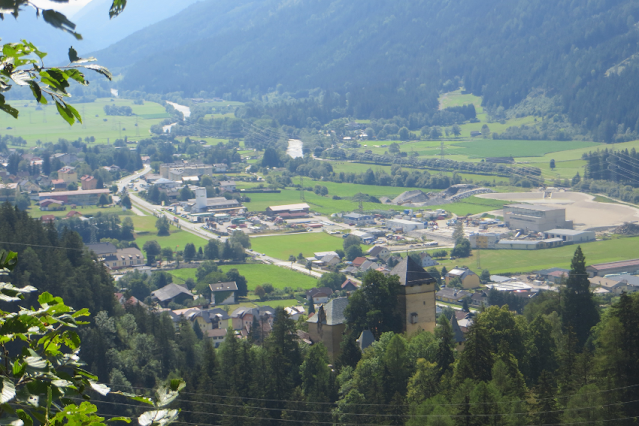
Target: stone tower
x=416 y=301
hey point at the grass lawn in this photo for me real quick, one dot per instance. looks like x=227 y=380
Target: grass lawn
x=259 y=273
x=471 y=205
x=144 y=224
x=282 y=246
x=518 y=148
x=177 y=238
x=602 y=199
x=324 y=205
x=46 y=125
x=35 y=211
x=510 y=261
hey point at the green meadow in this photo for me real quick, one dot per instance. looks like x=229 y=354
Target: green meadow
x=307 y=243
x=258 y=274
x=46 y=124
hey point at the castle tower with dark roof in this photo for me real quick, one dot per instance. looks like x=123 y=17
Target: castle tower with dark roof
x=416 y=301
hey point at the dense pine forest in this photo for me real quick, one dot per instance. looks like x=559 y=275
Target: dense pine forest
x=563 y=361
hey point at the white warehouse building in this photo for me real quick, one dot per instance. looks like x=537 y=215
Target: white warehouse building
x=404 y=225
x=571 y=236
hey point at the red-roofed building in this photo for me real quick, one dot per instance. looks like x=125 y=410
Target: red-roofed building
x=358 y=261
x=48 y=218
x=59 y=185
x=89 y=182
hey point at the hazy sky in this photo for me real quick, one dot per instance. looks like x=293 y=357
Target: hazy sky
x=67 y=8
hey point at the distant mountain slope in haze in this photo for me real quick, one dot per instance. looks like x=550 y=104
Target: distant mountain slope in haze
x=98 y=31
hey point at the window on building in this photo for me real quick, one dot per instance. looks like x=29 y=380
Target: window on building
x=413 y=318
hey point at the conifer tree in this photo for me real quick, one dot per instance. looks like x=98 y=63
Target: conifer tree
x=579 y=309
x=476 y=361
x=546 y=402
x=350 y=353
x=445 y=355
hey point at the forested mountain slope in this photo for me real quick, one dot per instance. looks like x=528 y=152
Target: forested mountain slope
x=500 y=49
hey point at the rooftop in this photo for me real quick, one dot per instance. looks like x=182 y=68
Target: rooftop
x=228 y=286
x=168 y=292
x=535 y=207
x=78 y=192
x=334 y=311
x=410 y=273
x=564 y=232
x=301 y=206
x=614 y=265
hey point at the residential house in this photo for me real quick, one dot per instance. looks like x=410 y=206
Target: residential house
x=427 y=261
x=631 y=281
x=47 y=218
x=59 y=185
x=223 y=293
x=328 y=326
x=358 y=261
x=220 y=168
x=51 y=205
x=379 y=252
x=552 y=274
x=468 y=278
x=217 y=335
x=227 y=186
x=242 y=319
x=416 y=300
x=330 y=260
x=295 y=312
x=73 y=213
x=365 y=339
x=102 y=249
x=172 y=293
x=65 y=158
x=321 y=254
x=452 y=295
x=609 y=284
x=68 y=174
x=319 y=295
x=89 y=182
x=123 y=258
x=349 y=285
x=479 y=298
x=364 y=267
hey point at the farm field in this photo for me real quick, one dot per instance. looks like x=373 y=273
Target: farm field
x=258 y=274
x=282 y=246
x=511 y=261
x=34 y=211
x=471 y=205
x=46 y=125
x=324 y=205
x=518 y=148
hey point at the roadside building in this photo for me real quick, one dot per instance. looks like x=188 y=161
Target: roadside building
x=622 y=266
x=483 y=240
x=349 y=285
x=379 y=252
x=529 y=244
x=319 y=295
x=68 y=174
x=631 y=282
x=59 y=185
x=610 y=285
x=571 y=236
x=358 y=219
x=227 y=186
x=102 y=249
x=123 y=258
x=171 y=293
x=89 y=182
x=403 y=225
x=289 y=210
x=537 y=218
x=452 y=295
x=223 y=293
x=427 y=260
x=79 y=198
x=468 y=278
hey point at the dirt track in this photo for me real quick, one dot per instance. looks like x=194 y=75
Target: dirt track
x=580 y=207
